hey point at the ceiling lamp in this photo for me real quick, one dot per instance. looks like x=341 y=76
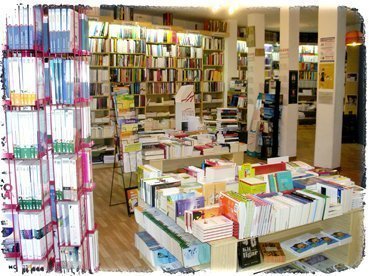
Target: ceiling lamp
x=354 y=38
x=230 y=5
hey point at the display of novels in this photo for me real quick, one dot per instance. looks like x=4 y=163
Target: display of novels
x=161 y=36
x=65 y=75
x=248 y=252
x=127 y=60
x=188 y=39
x=127 y=75
x=189 y=63
x=99 y=61
x=32 y=184
x=63 y=37
x=36 y=234
x=57 y=120
x=214 y=59
x=100 y=45
x=24 y=29
x=98 y=29
x=213 y=86
x=160 y=62
x=68 y=130
x=23 y=88
x=167 y=19
x=272 y=252
x=32 y=145
x=126 y=31
x=212 y=43
x=183 y=246
x=161 y=75
x=160 y=50
x=213 y=75
x=215 y=25
x=127 y=46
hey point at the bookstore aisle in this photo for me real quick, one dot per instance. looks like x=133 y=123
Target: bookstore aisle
x=114 y=220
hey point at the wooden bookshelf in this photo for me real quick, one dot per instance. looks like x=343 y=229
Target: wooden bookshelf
x=224 y=251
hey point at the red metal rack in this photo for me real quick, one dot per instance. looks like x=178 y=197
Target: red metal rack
x=82 y=141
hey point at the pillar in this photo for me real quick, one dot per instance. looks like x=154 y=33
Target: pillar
x=289 y=62
x=230 y=56
x=255 y=63
x=330 y=92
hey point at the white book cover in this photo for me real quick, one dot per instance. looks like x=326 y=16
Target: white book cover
x=29 y=242
x=65 y=225
x=66 y=177
x=74 y=224
x=22 y=225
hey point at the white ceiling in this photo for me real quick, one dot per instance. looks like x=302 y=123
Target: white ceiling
x=308 y=15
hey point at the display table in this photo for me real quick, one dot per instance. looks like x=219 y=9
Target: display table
x=170 y=165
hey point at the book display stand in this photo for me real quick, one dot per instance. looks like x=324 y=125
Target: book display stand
x=49 y=208
x=127 y=153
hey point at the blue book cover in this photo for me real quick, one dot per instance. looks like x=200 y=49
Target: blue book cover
x=272 y=184
x=315 y=241
x=47 y=79
x=65 y=95
x=284 y=181
x=10 y=36
x=16 y=38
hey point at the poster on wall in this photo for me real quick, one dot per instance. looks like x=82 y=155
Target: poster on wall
x=326 y=75
x=131 y=199
x=292 y=89
x=251 y=36
x=327 y=49
x=350 y=106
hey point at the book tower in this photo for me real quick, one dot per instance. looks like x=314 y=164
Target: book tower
x=48 y=208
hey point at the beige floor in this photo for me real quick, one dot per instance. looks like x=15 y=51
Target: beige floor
x=116 y=229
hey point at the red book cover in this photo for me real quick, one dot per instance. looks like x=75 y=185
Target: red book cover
x=269 y=168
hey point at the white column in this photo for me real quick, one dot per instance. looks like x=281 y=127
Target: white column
x=255 y=64
x=230 y=56
x=330 y=92
x=289 y=51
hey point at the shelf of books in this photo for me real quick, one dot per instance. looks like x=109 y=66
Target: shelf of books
x=49 y=207
x=212 y=85
x=249 y=218
x=271 y=61
x=161 y=54
x=102 y=127
x=308 y=70
x=237 y=93
x=190 y=65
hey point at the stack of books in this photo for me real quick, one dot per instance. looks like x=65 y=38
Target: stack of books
x=214 y=228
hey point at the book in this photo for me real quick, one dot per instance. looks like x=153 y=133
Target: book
x=272 y=252
x=248 y=252
x=284 y=181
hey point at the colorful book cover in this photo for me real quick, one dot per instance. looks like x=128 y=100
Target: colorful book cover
x=284 y=181
x=187 y=204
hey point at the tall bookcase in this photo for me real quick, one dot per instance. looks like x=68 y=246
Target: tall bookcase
x=101 y=123
x=169 y=56
x=213 y=85
x=189 y=64
x=49 y=206
x=161 y=53
x=308 y=70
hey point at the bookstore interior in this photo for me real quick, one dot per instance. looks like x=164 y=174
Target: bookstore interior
x=157 y=139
